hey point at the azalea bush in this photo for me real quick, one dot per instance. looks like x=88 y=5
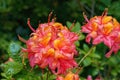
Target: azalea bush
x=61 y=49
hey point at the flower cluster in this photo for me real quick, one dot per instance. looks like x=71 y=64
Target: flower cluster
x=69 y=76
x=104 y=29
x=52 y=45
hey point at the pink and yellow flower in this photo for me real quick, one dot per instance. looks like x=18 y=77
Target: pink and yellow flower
x=51 y=45
x=104 y=29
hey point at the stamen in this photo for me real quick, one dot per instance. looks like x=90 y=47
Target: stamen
x=105 y=12
x=85 y=17
x=49 y=16
x=21 y=39
x=28 y=22
x=54 y=18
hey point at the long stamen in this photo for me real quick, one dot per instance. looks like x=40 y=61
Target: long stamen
x=54 y=18
x=105 y=12
x=28 y=22
x=49 y=16
x=21 y=39
x=85 y=17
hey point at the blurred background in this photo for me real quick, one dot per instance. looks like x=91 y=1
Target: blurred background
x=13 y=21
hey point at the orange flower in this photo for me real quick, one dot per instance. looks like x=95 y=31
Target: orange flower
x=52 y=45
x=69 y=76
x=103 y=29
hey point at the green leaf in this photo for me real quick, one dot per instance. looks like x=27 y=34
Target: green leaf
x=13 y=51
x=95 y=55
x=14 y=48
x=114 y=72
x=12 y=68
x=87 y=61
x=52 y=77
x=82 y=36
x=75 y=28
x=69 y=24
x=85 y=47
x=77 y=43
x=112 y=61
x=95 y=71
x=3 y=75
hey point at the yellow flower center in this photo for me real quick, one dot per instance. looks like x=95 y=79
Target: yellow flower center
x=94 y=26
x=107 y=28
x=106 y=19
x=45 y=40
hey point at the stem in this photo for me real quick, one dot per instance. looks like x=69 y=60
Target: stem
x=78 y=70
x=47 y=75
x=86 y=55
x=42 y=77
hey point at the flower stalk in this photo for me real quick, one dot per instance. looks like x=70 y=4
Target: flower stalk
x=86 y=55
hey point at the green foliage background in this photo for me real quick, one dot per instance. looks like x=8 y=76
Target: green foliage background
x=13 y=21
